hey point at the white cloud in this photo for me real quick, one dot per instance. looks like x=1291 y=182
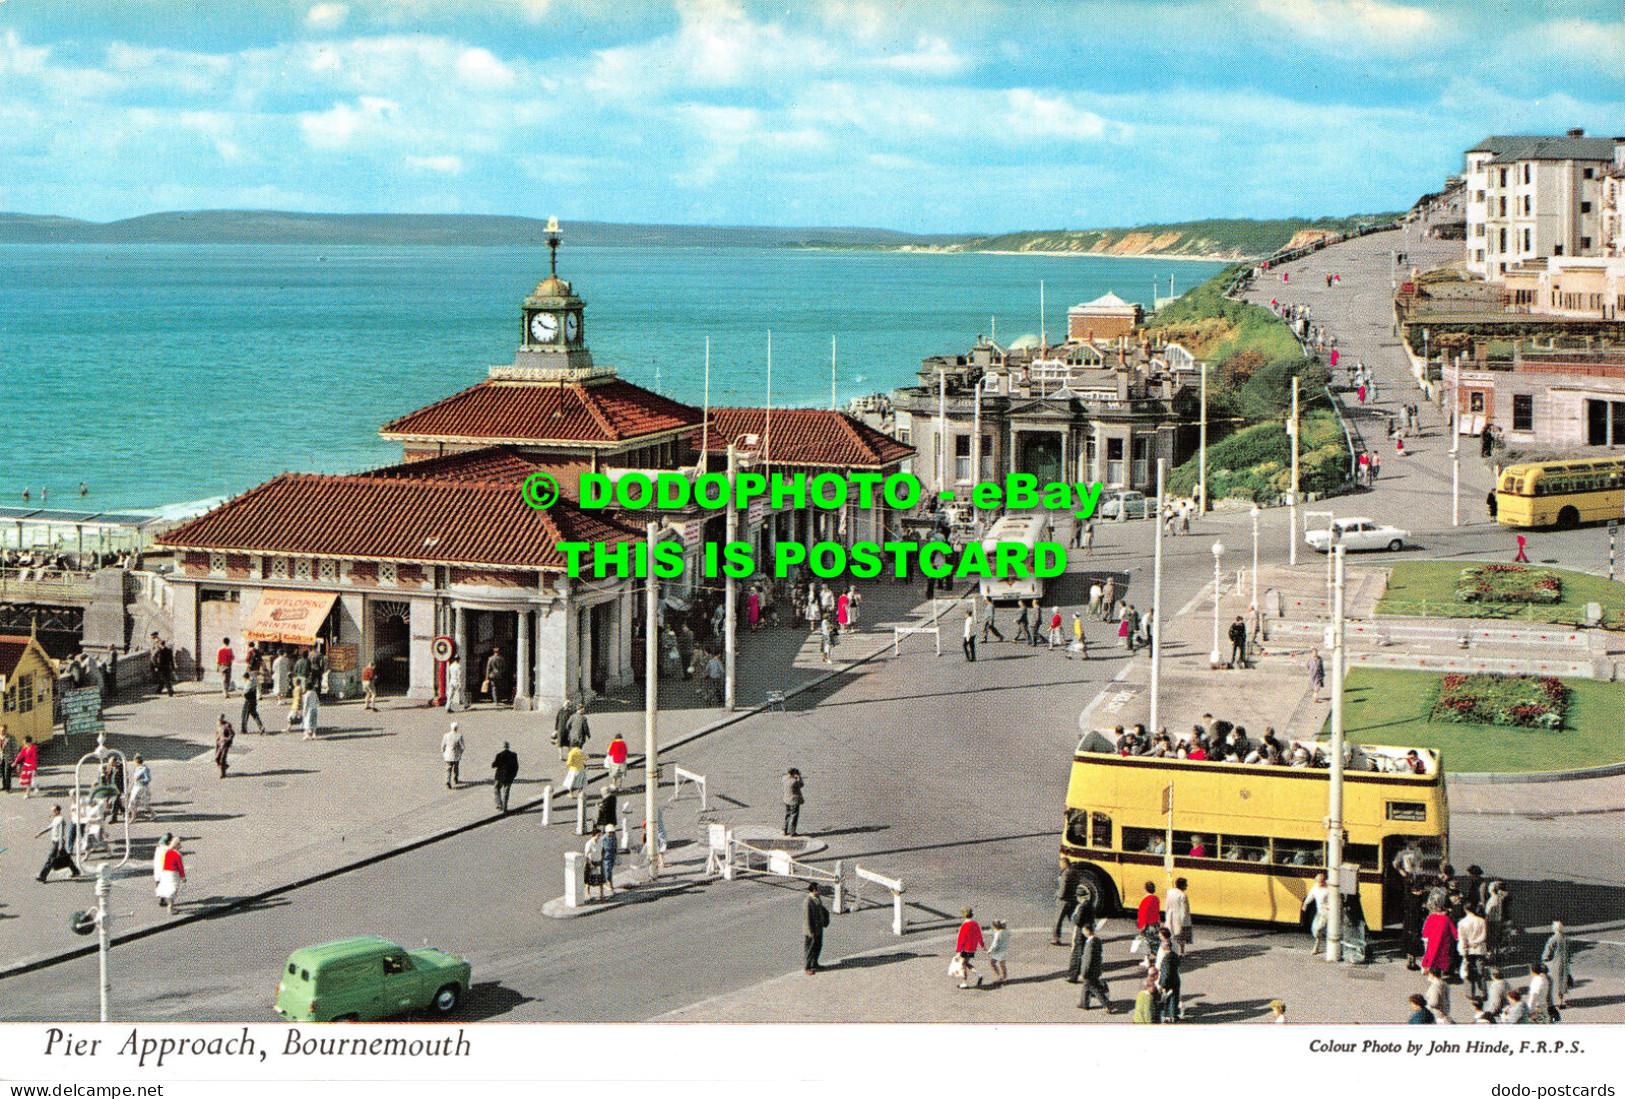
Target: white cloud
x=444 y=165
x=931 y=56
x=1035 y=115
x=481 y=69
x=327 y=16
x=335 y=127
x=1363 y=20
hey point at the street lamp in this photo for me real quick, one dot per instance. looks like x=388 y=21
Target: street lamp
x=1255 y=514
x=101 y=920
x=1334 y=806
x=1218 y=554
x=1201 y=460
x=1292 y=542
x=1156 y=604
x=730 y=624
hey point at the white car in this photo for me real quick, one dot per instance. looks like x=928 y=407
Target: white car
x=1357 y=534
x=1131 y=504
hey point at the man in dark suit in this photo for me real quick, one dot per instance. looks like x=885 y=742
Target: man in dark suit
x=817 y=920
x=506 y=767
x=1083 y=919
x=1168 y=982
x=1093 y=985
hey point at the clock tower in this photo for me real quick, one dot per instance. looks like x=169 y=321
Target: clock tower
x=552 y=338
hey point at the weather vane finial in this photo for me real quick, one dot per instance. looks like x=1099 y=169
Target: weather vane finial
x=553 y=234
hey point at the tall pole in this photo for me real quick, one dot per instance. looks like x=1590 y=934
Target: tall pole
x=651 y=692
x=1156 y=607
x=705 y=418
x=1217 y=657
x=730 y=601
x=104 y=886
x=1256 y=514
x=1334 y=807
x=1292 y=542
x=1455 y=463
x=976 y=435
x=1201 y=461
x=832 y=373
x=942 y=427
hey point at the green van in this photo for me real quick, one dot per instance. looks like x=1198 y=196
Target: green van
x=369 y=978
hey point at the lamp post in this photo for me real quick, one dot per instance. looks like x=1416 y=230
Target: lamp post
x=976 y=437
x=1334 y=806
x=101 y=918
x=651 y=691
x=1201 y=452
x=1156 y=605
x=1455 y=463
x=1216 y=656
x=1292 y=542
x=942 y=427
x=730 y=598
x=1255 y=514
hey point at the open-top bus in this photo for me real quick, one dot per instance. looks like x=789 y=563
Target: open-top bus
x=1258 y=831
x=1560 y=494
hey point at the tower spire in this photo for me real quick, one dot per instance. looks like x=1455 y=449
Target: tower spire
x=553 y=234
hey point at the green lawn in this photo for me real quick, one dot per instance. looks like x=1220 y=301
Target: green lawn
x=1383 y=707
x=1430 y=586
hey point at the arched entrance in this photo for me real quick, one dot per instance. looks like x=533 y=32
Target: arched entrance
x=392 y=646
x=1040 y=455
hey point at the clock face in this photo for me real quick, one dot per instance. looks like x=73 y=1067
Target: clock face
x=572 y=326
x=544 y=327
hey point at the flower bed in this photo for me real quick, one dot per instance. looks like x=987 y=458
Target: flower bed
x=1508 y=584
x=1522 y=701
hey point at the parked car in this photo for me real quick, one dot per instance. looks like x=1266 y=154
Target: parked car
x=1131 y=504
x=369 y=978
x=1357 y=534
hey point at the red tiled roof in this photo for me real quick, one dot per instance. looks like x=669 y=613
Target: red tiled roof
x=396 y=518
x=492 y=465
x=806 y=436
x=612 y=411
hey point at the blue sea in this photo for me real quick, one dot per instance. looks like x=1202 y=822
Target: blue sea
x=161 y=374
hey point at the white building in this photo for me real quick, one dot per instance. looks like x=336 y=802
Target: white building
x=1530 y=197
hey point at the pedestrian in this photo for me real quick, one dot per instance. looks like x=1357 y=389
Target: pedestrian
x=794 y=797
x=615 y=761
x=715 y=679
x=1086 y=538
x=1399 y=444
x=561 y=726
x=27 y=764
x=451 y=753
x=1038 y=624
x=1094 y=598
x=223 y=661
x=171 y=875
x=1361 y=392
x=223 y=738
x=1168 y=962
x=1376 y=466
x=60 y=856
x=578 y=731
x=988 y=625
x=575 y=772
x=496 y=670
x=454 y=685
x=140 y=790
x=1472 y=933
x=968 y=643
x=1083 y=916
x=163 y=667
x=998 y=946
x=1490 y=503
x=1092 y=970
x=1315 y=909
x=854 y=600
x=826 y=638
x=966 y=946
x=1522 y=554
x=1080 y=644
x=506 y=768
x=1515 y=1011
x=282 y=674
x=609 y=844
x=1538 y=996
x=1420 y=1013
x=1125 y=635
x=1238 y=643
x=1023 y=629
x=1437 y=996
x=1555 y=954
x=1067 y=892
x=251 y=705
x=1145 y=1002
x=841 y=605
x=594 y=850
x=369 y=686
x=311 y=709
x=1131 y=619
x=1495 y=993
x=1413 y=914
x=1176 y=913
x=1439 y=938
x=816 y=919
x=1108 y=597
x=1150 y=910
x=8 y=758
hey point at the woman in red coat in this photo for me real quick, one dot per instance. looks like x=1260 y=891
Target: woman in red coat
x=27 y=764
x=1439 y=936
x=970 y=941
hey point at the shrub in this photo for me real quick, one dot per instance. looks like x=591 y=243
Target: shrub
x=1522 y=701
x=1508 y=584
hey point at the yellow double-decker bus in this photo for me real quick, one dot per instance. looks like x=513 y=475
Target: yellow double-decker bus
x=1249 y=838
x=1560 y=494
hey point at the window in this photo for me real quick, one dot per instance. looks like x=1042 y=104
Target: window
x=25 y=694
x=279 y=568
x=217 y=564
x=1100 y=835
x=1503 y=239
x=1299 y=853
x=1077 y=827
x=1527 y=170
x=1478 y=231
x=386 y=572
x=1523 y=412
x=301 y=569
x=328 y=571
x=1363 y=855
x=1528 y=239
x=1503 y=183
x=1557 y=250
x=1503 y=206
x=1148 y=841
x=1475 y=401
x=903 y=435
x=396 y=964
x=1527 y=204
x=1114 y=461
x=962 y=470
x=1588 y=173
x=1585 y=242
x=1585 y=207
x=1407 y=810
x=1244 y=849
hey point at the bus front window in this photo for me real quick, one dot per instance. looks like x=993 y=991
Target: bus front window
x=1077 y=827
x=1101 y=834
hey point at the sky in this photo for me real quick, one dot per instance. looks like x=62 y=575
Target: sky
x=961 y=116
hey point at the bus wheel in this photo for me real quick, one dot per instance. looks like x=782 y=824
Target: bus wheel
x=1568 y=518
x=1097 y=890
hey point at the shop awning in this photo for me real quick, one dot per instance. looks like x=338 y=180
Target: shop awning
x=295 y=617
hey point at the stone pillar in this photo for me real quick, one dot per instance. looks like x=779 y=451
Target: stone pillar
x=460 y=636
x=522 y=663
x=422 y=628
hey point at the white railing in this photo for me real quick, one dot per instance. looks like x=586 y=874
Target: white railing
x=698 y=781
x=892 y=885
x=730 y=857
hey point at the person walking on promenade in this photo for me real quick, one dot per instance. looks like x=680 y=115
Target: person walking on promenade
x=1473 y=934
x=1439 y=938
x=1125 y=632
x=1522 y=555
x=496 y=671
x=282 y=674
x=1054 y=628
x=1037 y=632
x=794 y=797
x=1108 y=597
x=1150 y=911
x=1437 y=996
x=966 y=946
x=1176 y=914
x=1079 y=644
x=615 y=761
x=609 y=845
x=1023 y=629
x=1083 y=916
x=251 y=705
x=454 y=685
x=815 y=919
x=968 y=640
x=505 y=768
x=1555 y=954
x=854 y=600
x=842 y=603
x=561 y=728
x=998 y=946
x=311 y=708
x=1238 y=643
x=162 y=662
x=223 y=661
x=223 y=737
x=1093 y=968
x=989 y=626
x=369 y=686
x=1316 y=905
x=578 y=731
x=575 y=773
x=1539 y=994
x=1495 y=993
x=716 y=679
x=1168 y=962
x=8 y=758
x=594 y=850
x=451 y=753
x=1066 y=891
x=140 y=790
x=1490 y=503
x=1145 y=1001
x=1086 y=538
x=301 y=676
x=1094 y=598
x=27 y=764
x=826 y=638
x=60 y=856
x=1131 y=619
x=171 y=874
